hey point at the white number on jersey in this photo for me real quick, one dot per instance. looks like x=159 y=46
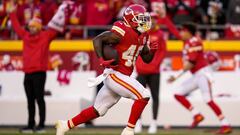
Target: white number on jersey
x=130 y=55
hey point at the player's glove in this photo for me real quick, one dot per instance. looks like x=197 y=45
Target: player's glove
x=153 y=46
x=107 y=63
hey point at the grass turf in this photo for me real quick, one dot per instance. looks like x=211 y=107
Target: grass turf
x=117 y=131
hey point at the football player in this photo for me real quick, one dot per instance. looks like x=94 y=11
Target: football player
x=129 y=38
x=195 y=62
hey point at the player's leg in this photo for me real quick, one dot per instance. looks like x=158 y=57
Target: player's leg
x=105 y=99
x=28 y=86
x=128 y=87
x=153 y=83
x=143 y=80
x=187 y=87
x=206 y=89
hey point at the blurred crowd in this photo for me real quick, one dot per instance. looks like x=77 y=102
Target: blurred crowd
x=220 y=16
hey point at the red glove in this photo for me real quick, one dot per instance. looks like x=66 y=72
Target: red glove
x=107 y=63
x=153 y=46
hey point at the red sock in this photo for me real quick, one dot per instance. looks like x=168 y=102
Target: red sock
x=215 y=108
x=85 y=116
x=136 y=111
x=183 y=101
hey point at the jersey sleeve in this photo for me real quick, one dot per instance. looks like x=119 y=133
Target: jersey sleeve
x=193 y=51
x=118 y=28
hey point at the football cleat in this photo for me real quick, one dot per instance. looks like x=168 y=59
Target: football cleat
x=138 y=127
x=61 y=127
x=127 y=131
x=196 y=120
x=224 y=130
x=152 y=128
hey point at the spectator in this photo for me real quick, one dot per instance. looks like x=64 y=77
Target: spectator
x=76 y=18
x=99 y=12
x=232 y=30
x=214 y=10
x=28 y=9
x=48 y=9
x=181 y=10
x=35 y=62
x=233 y=12
x=4 y=32
x=21 y=9
x=214 y=14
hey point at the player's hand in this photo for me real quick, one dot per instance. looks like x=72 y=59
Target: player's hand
x=107 y=63
x=153 y=46
x=171 y=79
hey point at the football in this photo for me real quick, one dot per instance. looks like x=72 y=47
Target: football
x=110 y=53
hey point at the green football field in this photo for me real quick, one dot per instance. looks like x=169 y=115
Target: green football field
x=117 y=131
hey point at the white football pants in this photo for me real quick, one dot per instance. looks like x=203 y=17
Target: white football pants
x=118 y=85
x=202 y=80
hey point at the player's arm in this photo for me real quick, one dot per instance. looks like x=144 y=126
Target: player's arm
x=148 y=50
x=146 y=54
x=187 y=65
x=105 y=38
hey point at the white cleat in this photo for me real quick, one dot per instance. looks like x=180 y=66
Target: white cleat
x=138 y=127
x=61 y=127
x=127 y=131
x=152 y=128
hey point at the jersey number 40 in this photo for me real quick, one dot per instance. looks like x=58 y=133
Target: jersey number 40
x=130 y=55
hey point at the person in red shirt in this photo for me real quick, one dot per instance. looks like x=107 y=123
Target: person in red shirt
x=4 y=31
x=195 y=62
x=149 y=73
x=76 y=18
x=129 y=39
x=28 y=9
x=48 y=9
x=99 y=12
x=36 y=43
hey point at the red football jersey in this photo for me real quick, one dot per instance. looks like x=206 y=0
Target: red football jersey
x=130 y=45
x=193 y=52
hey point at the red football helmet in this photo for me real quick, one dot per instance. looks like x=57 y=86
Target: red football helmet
x=137 y=17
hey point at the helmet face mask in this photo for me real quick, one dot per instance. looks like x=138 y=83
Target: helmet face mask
x=137 y=17
x=144 y=22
